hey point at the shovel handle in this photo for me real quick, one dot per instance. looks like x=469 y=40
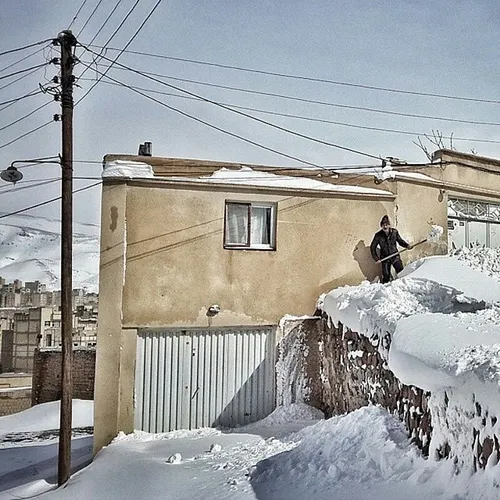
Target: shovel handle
x=399 y=252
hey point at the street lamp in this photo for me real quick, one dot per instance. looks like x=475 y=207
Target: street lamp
x=12 y=174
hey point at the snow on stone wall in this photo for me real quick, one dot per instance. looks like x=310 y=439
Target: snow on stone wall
x=338 y=371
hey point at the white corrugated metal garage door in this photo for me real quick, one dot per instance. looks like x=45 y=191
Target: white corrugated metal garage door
x=190 y=378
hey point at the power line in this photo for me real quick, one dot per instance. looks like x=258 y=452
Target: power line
x=24 y=135
x=312 y=119
x=24 y=70
x=77 y=13
x=46 y=202
x=104 y=47
x=128 y=43
x=25 y=47
x=323 y=103
x=106 y=21
x=89 y=18
x=23 y=59
x=21 y=188
x=215 y=127
x=283 y=129
x=18 y=79
x=17 y=99
x=311 y=79
x=25 y=116
x=29 y=181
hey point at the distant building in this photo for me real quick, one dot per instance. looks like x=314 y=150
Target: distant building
x=30 y=317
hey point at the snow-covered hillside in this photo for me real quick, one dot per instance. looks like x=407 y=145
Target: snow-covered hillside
x=30 y=248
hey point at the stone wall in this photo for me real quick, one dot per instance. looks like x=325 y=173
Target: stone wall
x=342 y=371
x=47 y=374
x=339 y=371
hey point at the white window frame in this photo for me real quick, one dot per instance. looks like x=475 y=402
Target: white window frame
x=251 y=245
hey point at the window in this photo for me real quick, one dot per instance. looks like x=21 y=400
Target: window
x=250 y=225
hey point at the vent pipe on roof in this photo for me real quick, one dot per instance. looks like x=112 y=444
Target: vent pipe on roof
x=145 y=149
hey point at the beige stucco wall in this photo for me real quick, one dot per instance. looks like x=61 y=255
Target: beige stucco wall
x=465 y=175
x=115 y=357
x=177 y=266
x=417 y=209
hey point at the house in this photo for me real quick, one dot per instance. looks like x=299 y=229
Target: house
x=200 y=260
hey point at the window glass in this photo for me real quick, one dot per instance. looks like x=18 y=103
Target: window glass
x=260 y=226
x=237 y=224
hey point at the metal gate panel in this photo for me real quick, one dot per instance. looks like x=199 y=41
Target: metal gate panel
x=190 y=378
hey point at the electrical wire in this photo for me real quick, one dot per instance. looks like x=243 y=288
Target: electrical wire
x=24 y=70
x=25 y=116
x=17 y=99
x=77 y=13
x=311 y=79
x=26 y=134
x=25 y=47
x=312 y=119
x=23 y=59
x=106 y=21
x=323 y=103
x=22 y=188
x=283 y=129
x=128 y=43
x=47 y=201
x=108 y=41
x=18 y=79
x=89 y=18
x=28 y=181
x=215 y=127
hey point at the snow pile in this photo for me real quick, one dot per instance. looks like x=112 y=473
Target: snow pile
x=486 y=260
x=438 y=327
x=465 y=344
x=296 y=412
x=45 y=417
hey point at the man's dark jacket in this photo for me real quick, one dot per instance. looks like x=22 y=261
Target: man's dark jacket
x=387 y=243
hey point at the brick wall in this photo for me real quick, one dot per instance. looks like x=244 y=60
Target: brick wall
x=14 y=400
x=47 y=374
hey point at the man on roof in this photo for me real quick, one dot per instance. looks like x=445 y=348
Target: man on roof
x=384 y=247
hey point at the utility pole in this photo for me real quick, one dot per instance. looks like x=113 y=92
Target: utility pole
x=67 y=41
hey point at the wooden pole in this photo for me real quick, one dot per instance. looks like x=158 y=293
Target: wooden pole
x=67 y=41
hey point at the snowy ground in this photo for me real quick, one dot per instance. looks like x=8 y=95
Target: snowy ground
x=292 y=454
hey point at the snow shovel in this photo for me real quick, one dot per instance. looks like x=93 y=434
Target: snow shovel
x=433 y=236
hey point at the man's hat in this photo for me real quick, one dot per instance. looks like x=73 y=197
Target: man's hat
x=385 y=220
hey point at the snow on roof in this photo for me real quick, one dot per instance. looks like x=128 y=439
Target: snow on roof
x=441 y=318
x=384 y=173
x=243 y=176
x=247 y=176
x=127 y=168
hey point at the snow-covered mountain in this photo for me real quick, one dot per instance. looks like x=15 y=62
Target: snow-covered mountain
x=30 y=249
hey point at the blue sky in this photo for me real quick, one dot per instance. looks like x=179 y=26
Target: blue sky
x=448 y=47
